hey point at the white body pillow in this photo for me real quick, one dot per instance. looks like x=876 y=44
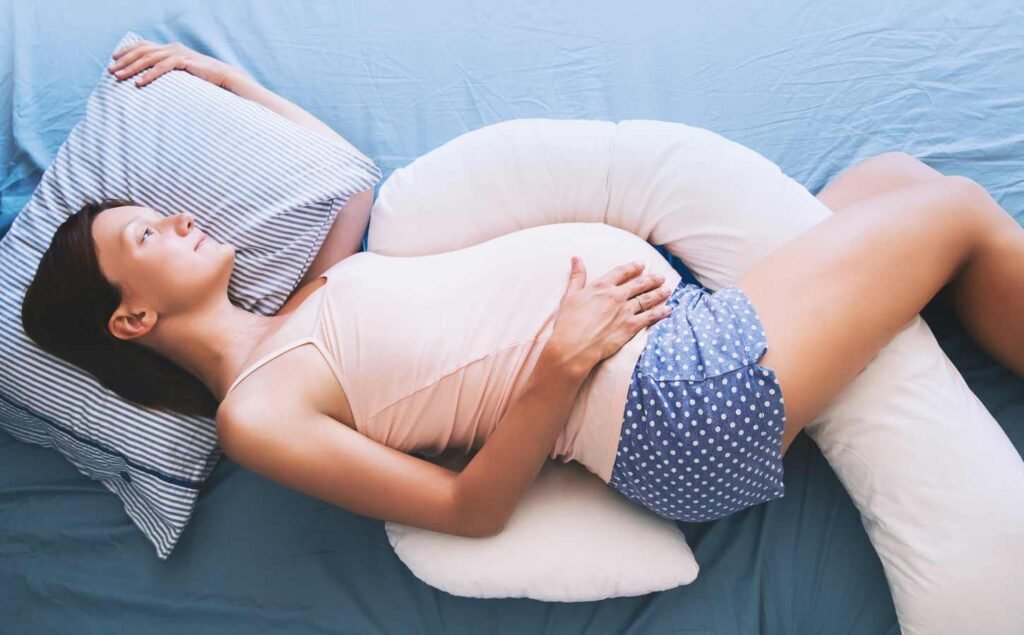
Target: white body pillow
x=939 y=486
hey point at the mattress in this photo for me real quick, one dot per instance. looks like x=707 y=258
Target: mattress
x=814 y=87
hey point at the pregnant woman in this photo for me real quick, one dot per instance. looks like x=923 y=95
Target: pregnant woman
x=574 y=341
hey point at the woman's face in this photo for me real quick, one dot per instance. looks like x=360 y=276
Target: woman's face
x=164 y=265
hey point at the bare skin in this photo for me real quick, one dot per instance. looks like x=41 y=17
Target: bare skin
x=833 y=296
x=300 y=433
x=902 y=223
x=165 y=279
x=829 y=300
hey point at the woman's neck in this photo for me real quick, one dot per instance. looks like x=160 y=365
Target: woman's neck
x=213 y=341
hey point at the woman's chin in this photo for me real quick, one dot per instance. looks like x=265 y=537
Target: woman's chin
x=225 y=260
x=209 y=247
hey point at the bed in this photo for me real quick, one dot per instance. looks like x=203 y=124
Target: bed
x=811 y=87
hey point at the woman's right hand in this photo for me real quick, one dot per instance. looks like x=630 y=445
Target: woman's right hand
x=594 y=321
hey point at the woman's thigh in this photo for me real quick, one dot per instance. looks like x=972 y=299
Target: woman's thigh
x=832 y=297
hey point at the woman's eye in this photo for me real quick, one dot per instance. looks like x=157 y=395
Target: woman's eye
x=144 y=235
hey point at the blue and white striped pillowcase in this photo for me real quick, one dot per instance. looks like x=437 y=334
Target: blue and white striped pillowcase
x=253 y=179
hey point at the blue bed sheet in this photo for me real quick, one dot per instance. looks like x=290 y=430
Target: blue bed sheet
x=813 y=86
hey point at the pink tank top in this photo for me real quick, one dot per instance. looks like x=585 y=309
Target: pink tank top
x=432 y=350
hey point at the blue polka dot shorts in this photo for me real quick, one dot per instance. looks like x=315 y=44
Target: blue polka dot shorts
x=702 y=430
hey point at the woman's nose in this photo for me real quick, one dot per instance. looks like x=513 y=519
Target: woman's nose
x=186 y=220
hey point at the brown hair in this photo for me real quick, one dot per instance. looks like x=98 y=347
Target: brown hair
x=66 y=309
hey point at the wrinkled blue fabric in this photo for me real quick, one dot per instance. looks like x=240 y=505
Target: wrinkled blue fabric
x=813 y=86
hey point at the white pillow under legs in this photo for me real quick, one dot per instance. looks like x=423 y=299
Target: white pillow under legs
x=939 y=486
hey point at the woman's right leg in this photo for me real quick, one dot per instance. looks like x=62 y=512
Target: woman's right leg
x=833 y=296
x=880 y=174
x=976 y=296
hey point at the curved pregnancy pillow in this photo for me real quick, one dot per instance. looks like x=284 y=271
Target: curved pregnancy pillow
x=951 y=541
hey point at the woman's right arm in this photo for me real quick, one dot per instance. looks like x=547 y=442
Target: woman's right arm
x=593 y=322
x=494 y=481
x=322 y=457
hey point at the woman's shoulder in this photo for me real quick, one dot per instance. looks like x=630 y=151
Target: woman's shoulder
x=245 y=414
x=294 y=384
x=252 y=405
x=300 y=295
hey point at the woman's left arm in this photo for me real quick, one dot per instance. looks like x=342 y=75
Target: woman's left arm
x=242 y=84
x=346 y=235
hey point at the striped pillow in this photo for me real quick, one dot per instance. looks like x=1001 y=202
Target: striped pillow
x=253 y=179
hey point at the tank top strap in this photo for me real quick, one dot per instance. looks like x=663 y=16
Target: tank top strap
x=280 y=350
x=312 y=336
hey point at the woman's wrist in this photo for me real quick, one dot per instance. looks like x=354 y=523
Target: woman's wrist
x=243 y=85
x=560 y=359
x=238 y=81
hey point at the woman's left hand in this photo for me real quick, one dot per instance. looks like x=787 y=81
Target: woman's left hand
x=165 y=57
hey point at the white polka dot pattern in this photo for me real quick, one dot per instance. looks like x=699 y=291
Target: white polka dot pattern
x=702 y=429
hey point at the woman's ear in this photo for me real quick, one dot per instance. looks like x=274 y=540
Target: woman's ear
x=128 y=325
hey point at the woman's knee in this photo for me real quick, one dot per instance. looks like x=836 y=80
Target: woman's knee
x=970 y=195
x=975 y=200
x=969 y=214
x=876 y=176
x=904 y=164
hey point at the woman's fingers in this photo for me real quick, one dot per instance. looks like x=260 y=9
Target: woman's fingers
x=654 y=297
x=652 y=315
x=642 y=283
x=131 y=47
x=128 y=54
x=131 y=56
x=623 y=272
x=654 y=308
x=156 y=71
x=142 y=63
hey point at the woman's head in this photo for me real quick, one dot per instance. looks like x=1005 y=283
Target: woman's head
x=112 y=272
x=161 y=265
